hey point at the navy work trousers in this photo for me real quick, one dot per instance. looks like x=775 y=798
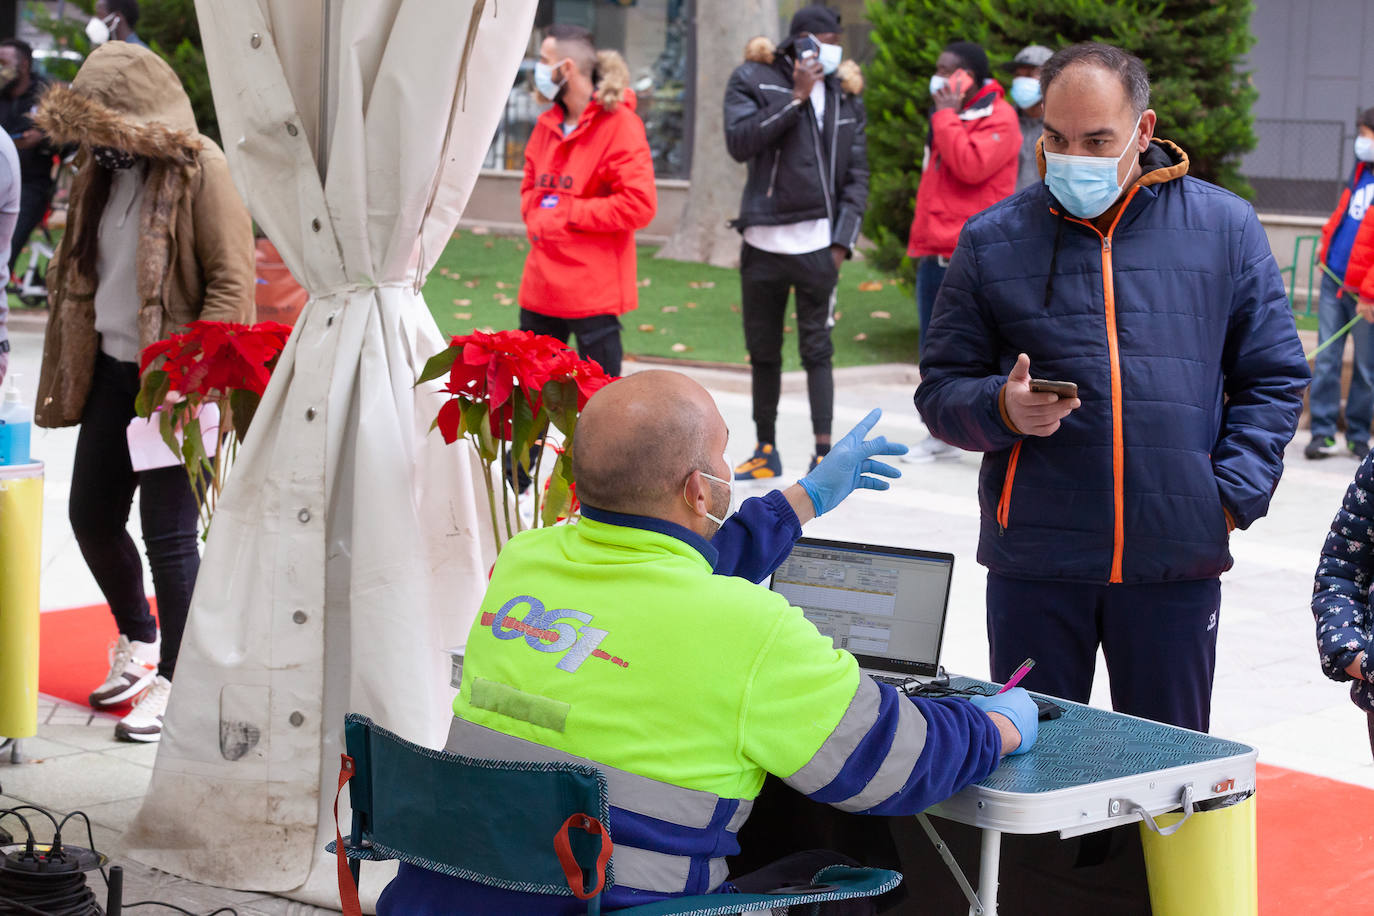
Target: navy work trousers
x=1159 y=641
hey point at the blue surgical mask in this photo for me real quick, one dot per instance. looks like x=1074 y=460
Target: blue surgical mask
x=830 y=57
x=1364 y=149
x=543 y=81
x=1025 y=92
x=938 y=82
x=1086 y=185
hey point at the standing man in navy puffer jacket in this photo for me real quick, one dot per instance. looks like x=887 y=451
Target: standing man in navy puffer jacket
x=1106 y=515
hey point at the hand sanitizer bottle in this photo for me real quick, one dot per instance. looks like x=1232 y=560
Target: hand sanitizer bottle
x=16 y=420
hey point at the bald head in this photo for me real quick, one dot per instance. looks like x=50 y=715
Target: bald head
x=640 y=437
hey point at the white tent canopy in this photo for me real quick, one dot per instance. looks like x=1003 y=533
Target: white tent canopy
x=348 y=551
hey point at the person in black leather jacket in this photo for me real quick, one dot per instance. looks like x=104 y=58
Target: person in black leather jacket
x=795 y=115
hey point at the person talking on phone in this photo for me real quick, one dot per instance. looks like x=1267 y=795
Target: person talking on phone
x=969 y=165
x=795 y=115
x=1118 y=343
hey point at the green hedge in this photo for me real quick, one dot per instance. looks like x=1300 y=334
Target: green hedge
x=1192 y=48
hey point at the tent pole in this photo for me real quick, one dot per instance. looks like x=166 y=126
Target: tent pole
x=322 y=138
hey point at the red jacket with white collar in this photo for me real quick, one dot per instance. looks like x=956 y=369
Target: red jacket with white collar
x=582 y=199
x=970 y=165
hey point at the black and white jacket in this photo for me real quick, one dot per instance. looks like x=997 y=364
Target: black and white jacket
x=797 y=172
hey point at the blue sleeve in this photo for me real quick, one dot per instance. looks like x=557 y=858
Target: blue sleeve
x=1265 y=375
x=961 y=380
x=755 y=540
x=1340 y=593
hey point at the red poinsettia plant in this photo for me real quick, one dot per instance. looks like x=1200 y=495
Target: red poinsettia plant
x=504 y=390
x=213 y=362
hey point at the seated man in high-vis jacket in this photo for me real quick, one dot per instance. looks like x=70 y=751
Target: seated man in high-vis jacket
x=614 y=641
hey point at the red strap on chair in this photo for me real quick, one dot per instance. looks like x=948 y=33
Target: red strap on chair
x=571 y=869
x=348 y=890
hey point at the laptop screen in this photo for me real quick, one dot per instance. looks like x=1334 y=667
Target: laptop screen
x=886 y=605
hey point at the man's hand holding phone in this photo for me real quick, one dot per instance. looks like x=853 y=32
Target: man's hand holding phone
x=1032 y=412
x=807 y=71
x=951 y=95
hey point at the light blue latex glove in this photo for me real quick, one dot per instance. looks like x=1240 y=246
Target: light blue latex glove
x=848 y=465
x=1017 y=706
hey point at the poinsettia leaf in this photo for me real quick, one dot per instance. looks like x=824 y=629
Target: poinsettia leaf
x=439 y=365
x=243 y=404
x=560 y=400
x=523 y=429
x=167 y=425
x=151 y=393
x=193 y=447
x=558 y=496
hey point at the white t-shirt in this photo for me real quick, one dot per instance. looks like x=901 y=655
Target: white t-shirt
x=116 y=291
x=796 y=238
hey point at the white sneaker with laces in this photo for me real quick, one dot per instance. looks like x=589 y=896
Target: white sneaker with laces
x=133 y=665
x=144 y=722
x=932 y=449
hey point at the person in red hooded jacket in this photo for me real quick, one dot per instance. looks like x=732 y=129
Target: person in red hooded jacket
x=589 y=184
x=971 y=162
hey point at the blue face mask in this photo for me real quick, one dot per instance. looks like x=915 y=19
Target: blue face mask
x=830 y=57
x=1364 y=149
x=1086 y=185
x=1025 y=92
x=543 y=81
x=938 y=82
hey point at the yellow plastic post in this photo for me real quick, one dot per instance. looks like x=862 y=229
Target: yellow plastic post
x=1208 y=866
x=21 y=526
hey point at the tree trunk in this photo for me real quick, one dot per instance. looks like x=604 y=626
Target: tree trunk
x=723 y=27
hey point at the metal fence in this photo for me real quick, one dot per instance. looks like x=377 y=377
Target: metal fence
x=1298 y=166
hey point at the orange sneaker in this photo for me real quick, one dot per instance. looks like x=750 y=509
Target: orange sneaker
x=764 y=464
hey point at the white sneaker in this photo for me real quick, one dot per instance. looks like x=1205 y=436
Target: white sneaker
x=133 y=665
x=144 y=722
x=932 y=449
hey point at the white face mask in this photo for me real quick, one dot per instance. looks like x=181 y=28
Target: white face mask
x=938 y=82
x=830 y=57
x=544 y=81
x=1364 y=149
x=729 y=484
x=99 y=30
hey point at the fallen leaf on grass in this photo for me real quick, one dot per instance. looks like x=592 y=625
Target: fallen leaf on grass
x=735 y=309
x=870 y=286
x=861 y=336
x=500 y=285
x=680 y=348
x=463 y=316
x=879 y=314
x=470 y=284
x=443 y=271
x=646 y=328
x=669 y=309
x=491 y=244
x=787 y=329
x=647 y=281
x=691 y=305
x=480 y=230
x=703 y=284
x=839 y=315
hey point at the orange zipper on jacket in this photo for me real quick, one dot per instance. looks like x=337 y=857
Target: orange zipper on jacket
x=1004 y=504
x=1114 y=355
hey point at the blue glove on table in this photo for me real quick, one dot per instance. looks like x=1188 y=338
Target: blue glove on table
x=844 y=470
x=1017 y=706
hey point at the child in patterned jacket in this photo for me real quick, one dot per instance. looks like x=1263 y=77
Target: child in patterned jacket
x=1340 y=595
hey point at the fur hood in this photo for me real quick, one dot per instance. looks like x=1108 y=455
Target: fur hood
x=762 y=50
x=124 y=97
x=612 y=78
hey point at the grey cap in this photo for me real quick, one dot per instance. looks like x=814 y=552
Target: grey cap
x=1029 y=56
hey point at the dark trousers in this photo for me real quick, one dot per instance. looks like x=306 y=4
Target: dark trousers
x=34 y=198
x=598 y=336
x=929 y=276
x=1159 y=641
x=766 y=282
x=103 y=484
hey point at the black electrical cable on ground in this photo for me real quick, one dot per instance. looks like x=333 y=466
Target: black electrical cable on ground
x=49 y=894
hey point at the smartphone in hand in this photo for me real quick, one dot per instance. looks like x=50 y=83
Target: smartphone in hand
x=960 y=81
x=807 y=48
x=1064 y=390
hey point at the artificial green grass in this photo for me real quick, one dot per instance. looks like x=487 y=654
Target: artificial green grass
x=686 y=311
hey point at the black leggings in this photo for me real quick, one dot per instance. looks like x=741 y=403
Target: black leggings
x=103 y=484
x=766 y=282
x=598 y=336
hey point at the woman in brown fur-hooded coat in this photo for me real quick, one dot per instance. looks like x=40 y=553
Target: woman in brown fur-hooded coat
x=156 y=237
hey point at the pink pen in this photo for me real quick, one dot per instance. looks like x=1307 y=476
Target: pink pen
x=1021 y=672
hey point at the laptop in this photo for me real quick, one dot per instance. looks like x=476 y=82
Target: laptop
x=886 y=605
